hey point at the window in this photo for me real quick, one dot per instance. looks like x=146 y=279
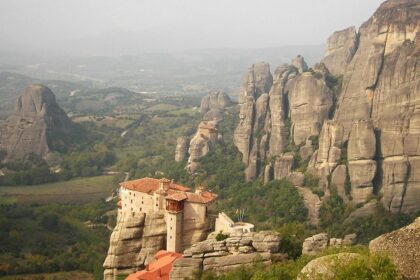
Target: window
x=170 y=237
x=131 y=201
x=142 y=202
x=141 y=209
x=171 y=227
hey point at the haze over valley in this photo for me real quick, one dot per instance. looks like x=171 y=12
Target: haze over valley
x=209 y=140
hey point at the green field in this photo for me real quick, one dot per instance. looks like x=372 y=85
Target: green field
x=72 y=275
x=77 y=190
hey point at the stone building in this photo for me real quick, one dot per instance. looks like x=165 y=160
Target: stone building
x=182 y=209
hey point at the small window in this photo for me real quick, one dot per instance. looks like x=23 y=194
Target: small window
x=131 y=201
x=156 y=204
x=170 y=237
x=171 y=219
x=171 y=227
x=141 y=209
x=142 y=202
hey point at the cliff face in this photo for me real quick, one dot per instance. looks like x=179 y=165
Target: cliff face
x=368 y=126
x=138 y=237
x=378 y=108
x=35 y=122
x=276 y=112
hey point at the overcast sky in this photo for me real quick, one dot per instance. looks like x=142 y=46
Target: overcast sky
x=116 y=27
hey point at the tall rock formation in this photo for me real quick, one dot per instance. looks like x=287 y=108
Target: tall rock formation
x=340 y=50
x=253 y=102
x=213 y=104
x=35 y=124
x=206 y=135
x=367 y=123
x=181 y=149
x=213 y=108
x=377 y=111
x=279 y=111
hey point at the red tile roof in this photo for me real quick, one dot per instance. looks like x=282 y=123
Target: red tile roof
x=175 y=192
x=203 y=197
x=159 y=269
x=177 y=196
x=148 y=185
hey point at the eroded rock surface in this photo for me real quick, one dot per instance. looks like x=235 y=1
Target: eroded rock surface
x=181 y=149
x=226 y=255
x=213 y=104
x=403 y=247
x=340 y=49
x=35 y=124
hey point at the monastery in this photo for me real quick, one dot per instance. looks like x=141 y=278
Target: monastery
x=183 y=209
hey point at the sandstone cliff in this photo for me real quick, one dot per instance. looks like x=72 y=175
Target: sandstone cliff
x=365 y=124
x=36 y=122
x=138 y=237
x=280 y=110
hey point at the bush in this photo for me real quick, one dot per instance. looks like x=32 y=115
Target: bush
x=220 y=236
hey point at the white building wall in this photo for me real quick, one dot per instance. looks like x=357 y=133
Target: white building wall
x=137 y=202
x=174 y=232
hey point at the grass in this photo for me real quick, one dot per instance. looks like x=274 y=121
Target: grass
x=51 y=276
x=77 y=190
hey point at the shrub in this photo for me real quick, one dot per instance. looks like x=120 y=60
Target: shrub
x=220 y=236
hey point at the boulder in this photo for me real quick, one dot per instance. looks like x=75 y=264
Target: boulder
x=403 y=247
x=315 y=244
x=324 y=267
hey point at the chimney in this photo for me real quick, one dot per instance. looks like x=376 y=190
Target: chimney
x=164 y=184
x=199 y=189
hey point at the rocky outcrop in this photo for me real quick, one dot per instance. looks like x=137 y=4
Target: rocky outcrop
x=226 y=255
x=300 y=64
x=325 y=267
x=312 y=202
x=125 y=245
x=213 y=104
x=138 y=237
x=181 y=149
x=268 y=104
x=317 y=243
x=213 y=107
x=36 y=123
x=340 y=49
x=403 y=247
x=206 y=135
x=253 y=102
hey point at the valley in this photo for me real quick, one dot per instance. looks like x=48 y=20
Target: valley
x=296 y=154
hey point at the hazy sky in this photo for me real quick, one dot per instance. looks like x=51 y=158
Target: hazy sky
x=128 y=26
